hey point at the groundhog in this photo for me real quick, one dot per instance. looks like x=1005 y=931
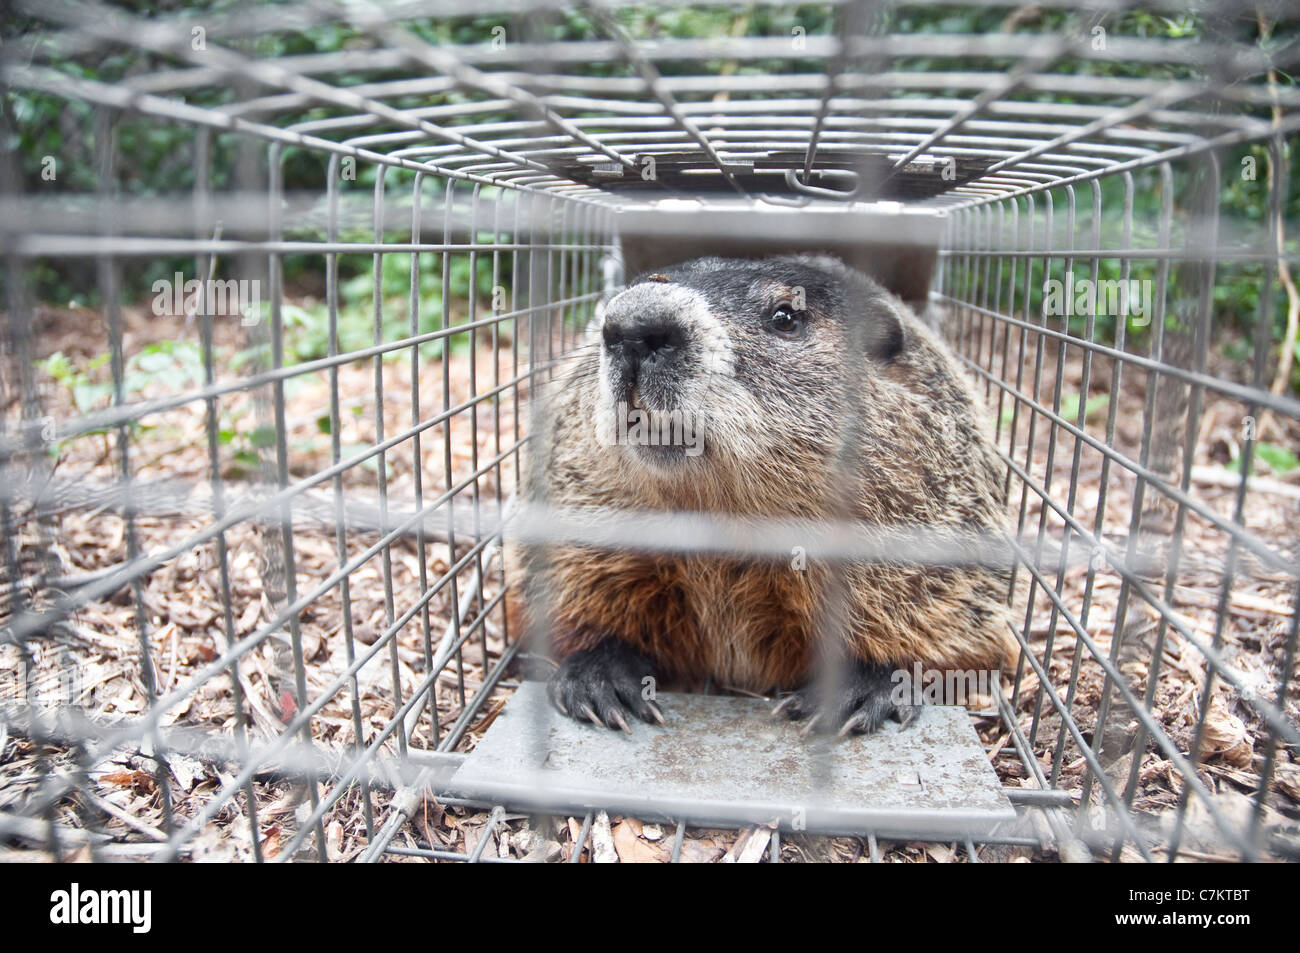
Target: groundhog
x=797 y=387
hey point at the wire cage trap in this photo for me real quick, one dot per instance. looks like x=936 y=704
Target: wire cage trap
x=320 y=255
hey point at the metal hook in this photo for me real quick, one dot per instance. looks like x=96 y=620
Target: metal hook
x=841 y=195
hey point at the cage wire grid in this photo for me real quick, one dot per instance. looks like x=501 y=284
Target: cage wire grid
x=515 y=161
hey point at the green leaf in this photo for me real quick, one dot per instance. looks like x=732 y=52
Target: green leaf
x=1070 y=406
x=259 y=356
x=262 y=437
x=154 y=360
x=371 y=462
x=1280 y=459
x=87 y=395
x=57 y=366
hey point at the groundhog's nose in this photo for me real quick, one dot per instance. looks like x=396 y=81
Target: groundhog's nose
x=642 y=341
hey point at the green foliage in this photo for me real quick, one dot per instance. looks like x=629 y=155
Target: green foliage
x=1069 y=409
x=87 y=389
x=307 y=327
x=1091 y=410
x=1279 y=459
x=174 y=365
x=152 y=158
x=164 y=367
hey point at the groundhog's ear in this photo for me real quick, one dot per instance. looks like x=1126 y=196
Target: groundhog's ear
x=882 y=330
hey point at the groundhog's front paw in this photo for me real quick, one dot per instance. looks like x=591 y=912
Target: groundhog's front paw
x=603 y=684
x=858 y=705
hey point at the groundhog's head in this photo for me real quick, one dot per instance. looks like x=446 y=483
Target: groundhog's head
x=718 y=364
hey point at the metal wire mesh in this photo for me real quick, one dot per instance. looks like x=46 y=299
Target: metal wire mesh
x=279 y=646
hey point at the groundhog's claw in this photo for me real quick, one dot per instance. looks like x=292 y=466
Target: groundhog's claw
x=859 y=705
x=616 y=716
x=785 y=704
x=603 y=685
x=810 y=726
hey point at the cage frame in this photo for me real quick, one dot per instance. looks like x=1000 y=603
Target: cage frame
x=1065 y=148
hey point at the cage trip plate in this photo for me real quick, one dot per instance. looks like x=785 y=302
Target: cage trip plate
x=723 y=760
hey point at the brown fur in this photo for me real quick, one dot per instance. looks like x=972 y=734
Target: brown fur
x=924 y=459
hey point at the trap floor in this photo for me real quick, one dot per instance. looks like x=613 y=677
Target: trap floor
x=725 y=760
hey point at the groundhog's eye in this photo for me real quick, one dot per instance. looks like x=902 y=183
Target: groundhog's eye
x=785 y=320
